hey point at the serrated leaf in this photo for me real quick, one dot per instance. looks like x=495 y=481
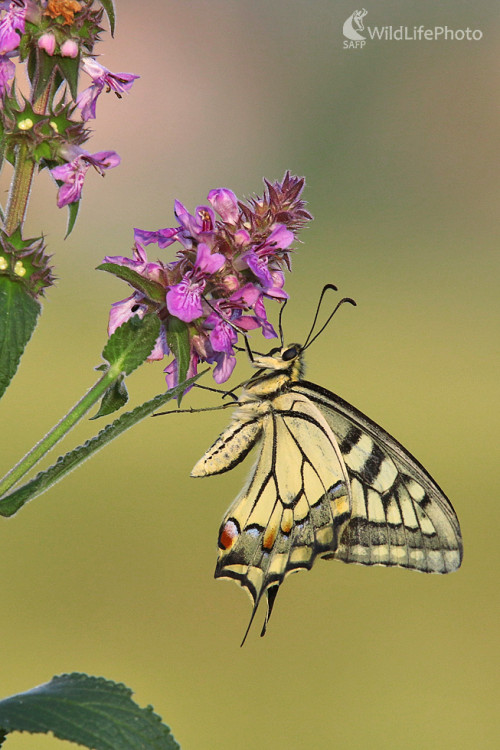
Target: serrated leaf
x=115 y=397
x=152 y=290
x=18 y=316
x=132 y=343
x=178 y=342
x=110 y=12
x=10 y=504
x=90 y=711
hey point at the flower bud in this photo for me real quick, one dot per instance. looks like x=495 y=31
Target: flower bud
x=69 y=48
x=225 y=203
x=47 y=42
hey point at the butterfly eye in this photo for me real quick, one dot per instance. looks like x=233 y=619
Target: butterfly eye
x=290 y=353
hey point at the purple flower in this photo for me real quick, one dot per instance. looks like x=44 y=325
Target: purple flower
x=101 y=78
x=136 y=305
x=7 y=72
x=225 y=203
x=230 y=261
x=184 y=298
x=225 y=364
x=12 y=22
x=171 y=370
x=161 y=237
x=194 y=228
x=125 y=309
x=138 y=263
x=257 y=258
x=72 y=174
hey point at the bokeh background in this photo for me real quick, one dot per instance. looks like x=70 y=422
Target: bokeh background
x=111 y=571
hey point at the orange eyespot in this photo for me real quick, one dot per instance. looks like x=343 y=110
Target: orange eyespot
x=228 y=535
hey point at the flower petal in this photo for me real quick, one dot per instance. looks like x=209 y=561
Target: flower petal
x=225 y=203
x=184 y=299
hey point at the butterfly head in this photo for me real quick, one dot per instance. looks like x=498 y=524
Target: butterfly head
x=287 y=359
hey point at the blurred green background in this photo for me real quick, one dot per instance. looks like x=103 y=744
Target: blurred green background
x=111 y=571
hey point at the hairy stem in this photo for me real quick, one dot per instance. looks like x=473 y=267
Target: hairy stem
x=24 y=169
x=19 y=190
x=58 y=432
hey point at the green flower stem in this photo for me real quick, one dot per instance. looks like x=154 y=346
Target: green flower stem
x=19 y=190
x=23 y=173
x=11 y=503
x=40 y=105
x=59 y=431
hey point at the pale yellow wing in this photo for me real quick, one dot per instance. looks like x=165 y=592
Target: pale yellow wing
x=297 y=500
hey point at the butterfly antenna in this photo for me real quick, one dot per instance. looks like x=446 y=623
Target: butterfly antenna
x=280 y=326
x=341 y=302
x=318 y=307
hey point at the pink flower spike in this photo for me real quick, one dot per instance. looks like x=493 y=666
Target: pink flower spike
x=47 y=42
x=225 y=203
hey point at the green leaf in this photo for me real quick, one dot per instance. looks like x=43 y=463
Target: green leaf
x=69 y=68
x=90 y=711
x=152 y=290
x=73 y=209
x=44 y=66
x=131 y=343
x=18 y=315
x=10 y=504
x=110 y=12
x=115 y=397
x=178 y=342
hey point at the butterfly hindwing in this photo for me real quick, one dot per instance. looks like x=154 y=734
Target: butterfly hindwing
x=399 y=514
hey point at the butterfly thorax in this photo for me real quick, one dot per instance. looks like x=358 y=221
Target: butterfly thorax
x=277 y=371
